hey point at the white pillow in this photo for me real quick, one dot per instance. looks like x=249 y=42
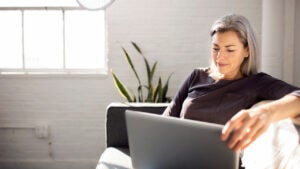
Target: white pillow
x=277 y=148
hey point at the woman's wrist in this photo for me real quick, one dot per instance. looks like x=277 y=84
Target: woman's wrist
x=269 y=110
x=286 y=107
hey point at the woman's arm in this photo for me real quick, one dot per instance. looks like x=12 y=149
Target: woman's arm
x=247 y=125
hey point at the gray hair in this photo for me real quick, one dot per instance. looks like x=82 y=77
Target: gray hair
x=245 y=32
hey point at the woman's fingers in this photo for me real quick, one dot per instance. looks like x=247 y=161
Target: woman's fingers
x=240 y=133
x=232 y=124
x=244 y=128
x=256 y=135
x=252 y=133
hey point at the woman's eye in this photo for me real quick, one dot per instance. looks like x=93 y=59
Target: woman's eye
x=230 y=50
x=216 y=49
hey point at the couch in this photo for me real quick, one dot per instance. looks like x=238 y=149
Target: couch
x=116 y=155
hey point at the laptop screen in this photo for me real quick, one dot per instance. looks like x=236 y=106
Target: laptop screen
x=159 y=142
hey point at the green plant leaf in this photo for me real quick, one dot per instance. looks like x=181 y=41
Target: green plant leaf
x=152 y=71
x=125 y=93
x=157 y=91
x=140 y=93
x=136 y=47
x=140 y=90
x=134 y=99
x=131 y=65
x=165 y=89
x=148 y=71
x=160 y=92
x=145 y=60
x=150 y=93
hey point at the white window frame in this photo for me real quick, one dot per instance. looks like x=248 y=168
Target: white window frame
x=72 y=4
x=50 y=72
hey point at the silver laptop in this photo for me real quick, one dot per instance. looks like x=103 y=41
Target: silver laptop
x=158 y=142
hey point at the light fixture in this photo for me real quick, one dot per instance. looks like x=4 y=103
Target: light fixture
x=94 y=4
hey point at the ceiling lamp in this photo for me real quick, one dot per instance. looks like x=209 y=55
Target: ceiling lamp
x=94 y=4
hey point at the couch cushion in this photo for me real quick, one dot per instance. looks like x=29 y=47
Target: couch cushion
x=116 y=133
x=115 y=158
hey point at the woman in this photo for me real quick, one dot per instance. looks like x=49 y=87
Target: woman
x=224 y=92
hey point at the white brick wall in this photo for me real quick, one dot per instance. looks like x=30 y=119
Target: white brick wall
x=73 y=108
x=173 y=32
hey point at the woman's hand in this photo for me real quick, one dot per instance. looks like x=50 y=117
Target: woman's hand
x=244 y=127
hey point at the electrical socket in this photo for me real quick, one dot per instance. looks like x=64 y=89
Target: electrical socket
x=42 y=130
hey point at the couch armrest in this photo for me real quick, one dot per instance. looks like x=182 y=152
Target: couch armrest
x=115 y=158
x=116 y=133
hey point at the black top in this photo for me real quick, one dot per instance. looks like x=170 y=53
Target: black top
x=202 y=98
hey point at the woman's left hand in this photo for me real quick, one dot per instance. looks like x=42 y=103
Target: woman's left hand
x=244 y=127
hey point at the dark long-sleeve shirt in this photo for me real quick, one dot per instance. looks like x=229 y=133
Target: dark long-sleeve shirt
x=202 y=98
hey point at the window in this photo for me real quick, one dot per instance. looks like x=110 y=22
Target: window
x=51 y=40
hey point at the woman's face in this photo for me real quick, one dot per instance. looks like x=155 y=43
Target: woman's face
x=228 y=54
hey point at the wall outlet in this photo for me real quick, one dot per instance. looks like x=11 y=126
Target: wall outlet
x=42 y=130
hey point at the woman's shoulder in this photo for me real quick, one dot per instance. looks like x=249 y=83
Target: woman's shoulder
x=201 y=70
x=199 y=74
x=263 y=78
x=262 y=75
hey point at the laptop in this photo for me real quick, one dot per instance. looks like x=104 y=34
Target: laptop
x=159 y=142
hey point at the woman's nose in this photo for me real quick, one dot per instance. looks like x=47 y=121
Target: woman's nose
x=220 y=55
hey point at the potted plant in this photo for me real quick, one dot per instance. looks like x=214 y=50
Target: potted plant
x=154 y=93
x=155 y=100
